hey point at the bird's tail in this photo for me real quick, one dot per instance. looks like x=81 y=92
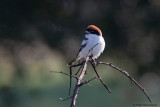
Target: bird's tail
x=73 y=61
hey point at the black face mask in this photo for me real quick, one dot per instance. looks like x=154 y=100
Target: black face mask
x=92 y=31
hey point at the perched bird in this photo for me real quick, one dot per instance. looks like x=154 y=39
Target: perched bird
x=93 y=44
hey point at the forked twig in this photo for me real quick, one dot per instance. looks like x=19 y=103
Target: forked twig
x=70 y=71
x=78 y=83
x=66 y=98
x=79 y=78
x=86 y=82
x=126 y=74
x=64 y=74
x=100 y=78
x=78 y=70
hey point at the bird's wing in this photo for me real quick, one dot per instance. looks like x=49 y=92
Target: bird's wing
x=84 y=43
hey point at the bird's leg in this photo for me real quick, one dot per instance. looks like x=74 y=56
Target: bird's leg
x=93 y=60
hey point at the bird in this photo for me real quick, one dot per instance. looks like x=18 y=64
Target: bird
x=92 y=45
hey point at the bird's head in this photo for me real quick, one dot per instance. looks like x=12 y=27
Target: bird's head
x=92 y=29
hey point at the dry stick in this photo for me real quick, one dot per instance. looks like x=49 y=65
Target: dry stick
x=86 y=82
x=126 y=74
x=100 y=77
x=78 y=70
x=81 y=84
x=70 y=83
x=70 y=71
x=64 y=74
x=78 y=83
x=66 y=98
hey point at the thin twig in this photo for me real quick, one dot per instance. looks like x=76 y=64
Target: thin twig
x=64 y=74
x=126 y=74
x=70 y=71
x=86 y=82
x=78 y=70
x=100 y=78
x=80 y=81
x=66 y=98
x=70 y=84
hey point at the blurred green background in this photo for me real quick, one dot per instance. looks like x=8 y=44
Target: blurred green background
x=38 y=36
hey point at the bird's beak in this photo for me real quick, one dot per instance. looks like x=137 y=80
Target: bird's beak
x=86 y=32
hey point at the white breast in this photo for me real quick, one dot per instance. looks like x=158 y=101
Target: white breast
x=95 y=50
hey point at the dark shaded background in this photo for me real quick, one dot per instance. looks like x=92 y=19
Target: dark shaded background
x=37 y=36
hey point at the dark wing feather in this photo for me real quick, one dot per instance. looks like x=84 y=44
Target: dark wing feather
x=76 y=58
x=82 y=46
x=84 y=43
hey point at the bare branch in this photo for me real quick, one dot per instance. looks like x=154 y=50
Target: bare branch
x=86 y=82
x=78 y=70
x=75 y=94
x=79 y=64
x=80 y=82
x=64 y=74
x=70 y=83
x=126 y=74
x=66 y=98
x=70 y=71
x=100 y=77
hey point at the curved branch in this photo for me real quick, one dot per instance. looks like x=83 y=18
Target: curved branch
x=126 y=74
